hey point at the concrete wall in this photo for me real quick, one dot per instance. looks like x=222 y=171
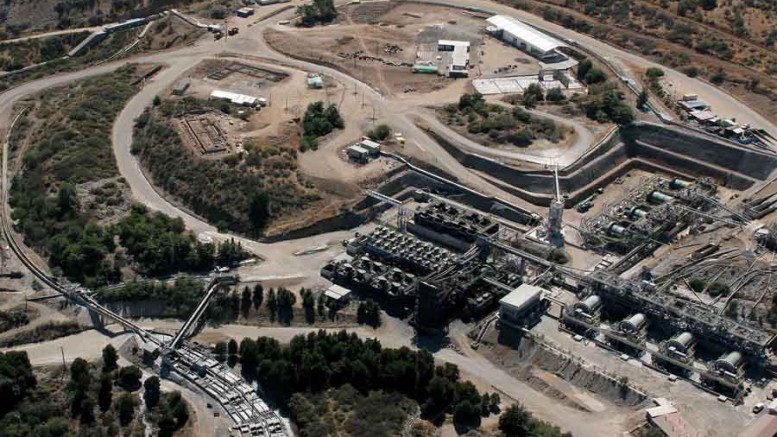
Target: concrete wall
x=645 y=146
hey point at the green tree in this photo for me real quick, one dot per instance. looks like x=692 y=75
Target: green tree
x=379 y=133
x=129 y=377
x=245 y=302
x=125 y=406
x=152 y=392
x=110 y=358
x=258 y=296
x=272 y=304
x=555 y=95
x=583 y=68
x=595 y=75
x=220 y=351
x=105 y=394
x=516 y=421
x=308 y=305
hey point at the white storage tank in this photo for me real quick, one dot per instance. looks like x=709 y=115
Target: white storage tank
x=729 y=363
x=589 y=305
x=678 y=184
x=659 y=197
x=616 y=230
x=681 y=343
x=633 y=324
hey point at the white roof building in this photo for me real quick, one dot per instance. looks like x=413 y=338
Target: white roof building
x=514 y=306
x=238 y=99
x=524 y=36
x=338 y=293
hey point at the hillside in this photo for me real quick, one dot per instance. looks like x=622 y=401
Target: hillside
x=28 y=16
x=729 y=45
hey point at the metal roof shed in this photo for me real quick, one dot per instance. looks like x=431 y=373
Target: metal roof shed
x=521 y=298
x=370 y=146
x=337 y=292
x=525 y=33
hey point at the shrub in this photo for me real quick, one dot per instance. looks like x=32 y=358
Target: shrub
x=379 y=133
x=555 y=95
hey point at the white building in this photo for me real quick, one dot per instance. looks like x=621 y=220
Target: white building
x=523 y=36
x=370 y=146
x=455 y=57
x=338 y=294
x=237 y=99
x=516 y=305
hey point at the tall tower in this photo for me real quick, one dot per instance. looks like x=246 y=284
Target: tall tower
x=556 y=216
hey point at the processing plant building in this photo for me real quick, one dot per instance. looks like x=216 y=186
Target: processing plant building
x=525 y=37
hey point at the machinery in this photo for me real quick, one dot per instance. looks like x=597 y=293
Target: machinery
x=679 y=347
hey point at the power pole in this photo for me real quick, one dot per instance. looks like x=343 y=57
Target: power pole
x=64 y=366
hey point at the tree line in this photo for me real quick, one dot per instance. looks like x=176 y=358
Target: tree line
x=96 y=400
x=72 y=148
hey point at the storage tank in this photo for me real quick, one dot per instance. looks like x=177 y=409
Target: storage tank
x=633 y=324
x=637 y=213
x=681 y=343
x=678 y=184
x=589 y=305
x=729 y=363
x=659 y=197
x=616 y=230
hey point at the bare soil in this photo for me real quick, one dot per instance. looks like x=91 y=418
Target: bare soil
x=369 y=30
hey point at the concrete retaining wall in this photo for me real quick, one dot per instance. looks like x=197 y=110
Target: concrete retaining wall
x=644 y=146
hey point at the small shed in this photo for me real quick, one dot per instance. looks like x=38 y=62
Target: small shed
x=358 y=154
x=245 y=12
x=370 y=146
x=338 y=293
x=693 y=105
x=180 y=88
x=315 y=82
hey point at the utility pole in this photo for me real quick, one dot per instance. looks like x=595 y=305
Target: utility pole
x=64 y=366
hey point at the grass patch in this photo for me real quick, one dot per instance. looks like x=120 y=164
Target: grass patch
x=496 y=124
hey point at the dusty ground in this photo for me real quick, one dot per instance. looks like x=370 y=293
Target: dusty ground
x=276 y=126
x=369 y=28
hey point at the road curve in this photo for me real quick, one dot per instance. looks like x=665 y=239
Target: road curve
x=550 y=156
